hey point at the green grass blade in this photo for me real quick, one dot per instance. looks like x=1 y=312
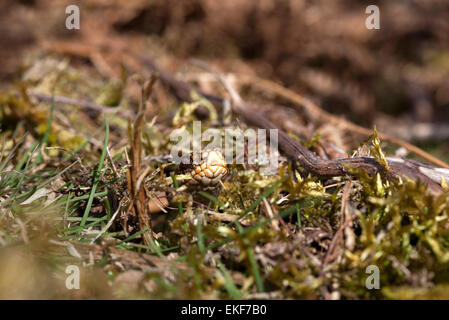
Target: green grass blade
x=259 y=200
x=229 y=285
x=252 y=260
x=200 y=236
x=133 y=236
x=46 y=136
x=175 y=183
x=97 y=175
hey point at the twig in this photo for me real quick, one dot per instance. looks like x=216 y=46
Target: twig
x=269 y=211
x=140 y=207
x=343 y=223
x=224 y=217
x=398 y=168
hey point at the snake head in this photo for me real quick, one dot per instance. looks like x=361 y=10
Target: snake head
x=211 y=169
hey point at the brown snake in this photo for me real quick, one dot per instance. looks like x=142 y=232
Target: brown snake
x=205 y=175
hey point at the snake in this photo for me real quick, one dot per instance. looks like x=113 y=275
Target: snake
x=210 y=171
x=207 y=175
